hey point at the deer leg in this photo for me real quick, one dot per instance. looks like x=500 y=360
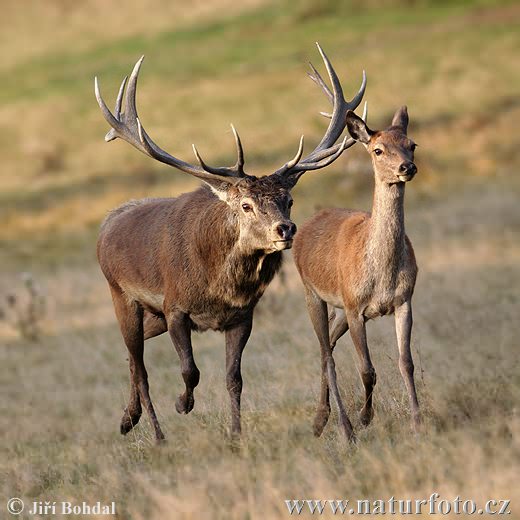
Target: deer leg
x=133 y=411
x=130 y=317
x=236 y=339
x=153 y=325
x=179 y=327
x=338 y=325
x=403 y=328
x=318 y=313
x=367 y=371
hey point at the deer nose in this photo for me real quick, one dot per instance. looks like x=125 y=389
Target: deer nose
x=286 y=230
x=408 y=167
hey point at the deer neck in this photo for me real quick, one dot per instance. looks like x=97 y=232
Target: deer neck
x=386 y=234
x=238 y=274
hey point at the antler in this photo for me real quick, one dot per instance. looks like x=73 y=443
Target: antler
x=127 y=126
x=327 y=151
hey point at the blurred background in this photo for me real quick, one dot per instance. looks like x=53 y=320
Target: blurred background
x=211 y=63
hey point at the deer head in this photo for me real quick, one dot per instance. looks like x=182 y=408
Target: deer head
x=391 y=150
x=261 y=205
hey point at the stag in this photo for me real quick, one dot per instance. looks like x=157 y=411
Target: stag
x=201 y=260
x=363 y=266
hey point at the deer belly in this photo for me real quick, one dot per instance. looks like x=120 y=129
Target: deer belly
x=219 y=320
x=384 y=306
x=332 y=299
x=150 y=300
x=376 y=309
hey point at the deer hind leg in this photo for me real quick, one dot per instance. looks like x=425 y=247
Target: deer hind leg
x=367 y=371
x=133 y=411
x=130 y=316
x=179 y=327
x=318 y=313
x=153 y=325
x=403 y=328
x=338 y=325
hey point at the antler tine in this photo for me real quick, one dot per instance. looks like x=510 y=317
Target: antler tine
x=356 y=100
x=336 y=85
x=316 y=77
x=239 y=166
x=109 y=117
x=124 y=125
x=130 y=108
x=111 y=134
x=327 y=151
x=364 y=116
x=127 y=126
x=350 y=142
x=337 y=123
x=119 y=100
x=151 y=149
x=328 y=159
x=204 y=166
x=365 y=112
x=293 y=162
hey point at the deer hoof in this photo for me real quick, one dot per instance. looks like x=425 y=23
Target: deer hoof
x=366 y=416
x=128 y=421
x=416 y=423
x=320 y=421
x=184 y=404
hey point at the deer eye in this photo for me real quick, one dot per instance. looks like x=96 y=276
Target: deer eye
x=378 y=151
x=290 y=203
x=247 y=207
x=413 y=147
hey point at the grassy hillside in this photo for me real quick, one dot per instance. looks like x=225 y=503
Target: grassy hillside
x=453 y=63
x=450 y=63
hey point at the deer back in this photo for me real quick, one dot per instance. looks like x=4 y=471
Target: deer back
x=184 y=252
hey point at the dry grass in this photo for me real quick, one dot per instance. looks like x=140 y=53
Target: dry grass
x=64 y=394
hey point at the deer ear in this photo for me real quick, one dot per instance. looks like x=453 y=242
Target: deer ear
x=357 y=128
x=401 y=119
x=219 y=188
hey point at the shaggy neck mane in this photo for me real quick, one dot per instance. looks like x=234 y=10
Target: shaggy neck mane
x=240 y=274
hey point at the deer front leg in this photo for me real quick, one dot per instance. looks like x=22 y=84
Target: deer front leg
x=318 y=312
x=367 y=371
x=403 y=329
x=236 y=339
x=337 y=326
x=179 y=327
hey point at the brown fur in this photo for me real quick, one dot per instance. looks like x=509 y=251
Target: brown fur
x=194 y=262
x=203 y=260
x=194 y=236
x=363 y=265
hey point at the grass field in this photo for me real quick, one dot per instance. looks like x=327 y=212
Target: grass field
x=455 y=64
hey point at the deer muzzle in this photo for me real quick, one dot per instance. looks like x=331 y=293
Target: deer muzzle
x=407 y=171
x=284 y=233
